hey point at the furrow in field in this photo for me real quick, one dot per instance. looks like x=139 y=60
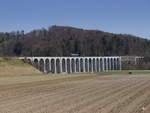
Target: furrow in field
x=98 y=94
x=56 y=96
x=101 y=104
x=61 y=98
x=25 y=91
x=97 y=105
x=123 y=102
x=90 y=98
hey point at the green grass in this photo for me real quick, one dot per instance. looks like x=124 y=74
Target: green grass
x=16 y=67
x=12 y=61
x=124 y=72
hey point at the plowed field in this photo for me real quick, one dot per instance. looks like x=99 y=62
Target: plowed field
x=81 y=94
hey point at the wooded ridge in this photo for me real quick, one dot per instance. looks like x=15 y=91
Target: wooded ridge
x=62 y=41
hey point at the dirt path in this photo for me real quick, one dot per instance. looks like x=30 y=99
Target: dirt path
x=89 y=94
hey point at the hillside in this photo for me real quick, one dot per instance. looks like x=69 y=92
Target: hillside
x=16 y=67
x=61 y=41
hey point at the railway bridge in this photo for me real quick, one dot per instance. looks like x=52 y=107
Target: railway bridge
x=56 y=65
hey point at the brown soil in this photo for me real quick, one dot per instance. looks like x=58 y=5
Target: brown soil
x=88 y=94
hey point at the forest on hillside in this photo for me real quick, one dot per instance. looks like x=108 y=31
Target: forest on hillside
x=62 y=41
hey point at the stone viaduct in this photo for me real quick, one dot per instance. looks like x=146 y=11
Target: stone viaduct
x=56 y=65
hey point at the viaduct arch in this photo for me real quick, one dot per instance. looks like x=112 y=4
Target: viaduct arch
x=56 y=65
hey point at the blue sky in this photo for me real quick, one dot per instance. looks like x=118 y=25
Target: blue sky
x=116 y=16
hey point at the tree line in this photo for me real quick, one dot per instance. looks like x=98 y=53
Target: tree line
x=62 y=41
